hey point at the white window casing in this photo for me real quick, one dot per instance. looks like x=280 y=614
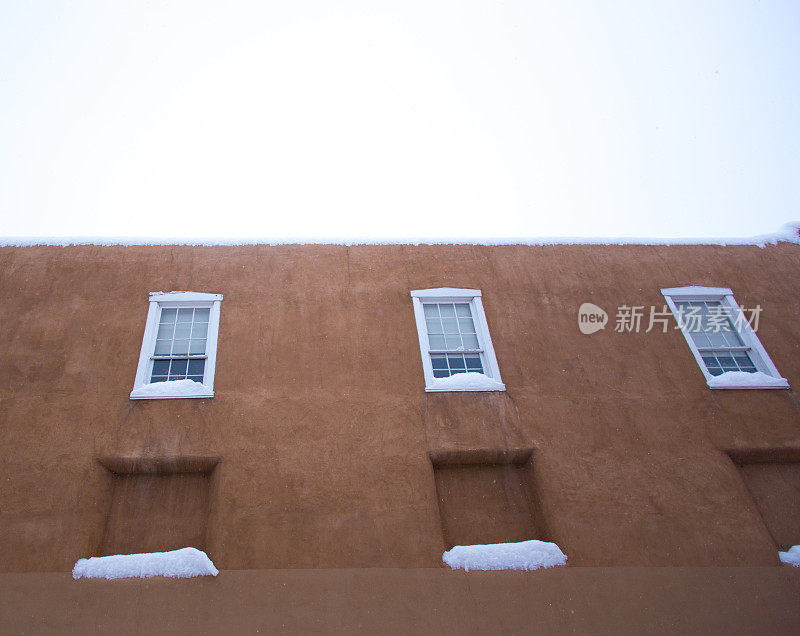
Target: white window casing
x=146 y=385
x=456 y=345
x=752 y=363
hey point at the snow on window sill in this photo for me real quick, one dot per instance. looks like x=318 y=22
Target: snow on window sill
x=791 y=556
x=182 y=564
x=465 y=382
x=172 y=390
x=742 y=380
x=524 y=555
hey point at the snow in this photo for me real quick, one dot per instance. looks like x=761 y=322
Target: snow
x=791 y=556
x=469 y=381
x=696 y=290
x=173 y=388
x=787 y=233
x=184 y=563
x=743 y=380
x=525 y=555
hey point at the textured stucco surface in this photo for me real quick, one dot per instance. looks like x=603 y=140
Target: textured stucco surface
x=321 y=423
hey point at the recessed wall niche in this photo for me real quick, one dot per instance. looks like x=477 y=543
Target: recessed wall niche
x=486 y=497
x=157 y=504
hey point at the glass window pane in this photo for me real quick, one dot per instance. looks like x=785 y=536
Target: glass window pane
x=441 y=373
x=434 y=325
x=456 y=362
x=466 y=324
x=450 y=325
x=196 y=367
x=453 y=342
x=439 y=361
x=168 y=315
x=700 y=339
x=470 y=341
x=474 y=363
x=436 y=342
x=165 y=331
x=160 y=367
x=431 y=310
x=462 y=310
x=158 y=378
x=178 y=367
x=199 y=330
x=447 y=310
x=163 y=347
x=198 y=346
x=732 y=339
x=717 y=339
x=715 y=371
x=182 y=330
x=454 y=371
x=185 y=314
x=726 y=361
x=201 y=314
x=180 y=347
x=196 y=378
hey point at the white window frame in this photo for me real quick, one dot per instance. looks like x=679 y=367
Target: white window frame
x=452 y=295
x=178 y=299
x=760 y=357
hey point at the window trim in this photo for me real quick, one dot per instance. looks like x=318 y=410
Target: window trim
x=450 y=294
x=159 y=300
x=761 y=360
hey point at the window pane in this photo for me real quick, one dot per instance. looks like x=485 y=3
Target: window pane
x=158 y=378
x=198 y=346
x=454 y=371
x=474 y=363
x=199 y=330
x=715 y=370
x=178 y=367
x=196 y=378
x=439 y=361
x=732 y=339
x=466 y=324
x=182 y=330
x=717 y=340
x=185 y=314
x=700 y=339
x=436 y=342
x=453 y=342
x=180 y=347
x=196 y=367
x=168 y=315
x=462 y=310
x=450 y=325
x=201 y=314
x=160 y=367
x=441 y=373
x=431 y=310
x=456 y=362
x=165 y=331
x=163 y=347
x=434 y=325
x=447 y=310
x=470 y=341
x=726 y=361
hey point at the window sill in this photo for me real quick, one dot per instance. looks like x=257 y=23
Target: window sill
x=741 y=380
x=464 y=382
x=173 y=390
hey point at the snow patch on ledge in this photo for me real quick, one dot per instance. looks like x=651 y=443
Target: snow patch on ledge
x=743 y=380
x=791 y=556
x=172 y=389
x=787 y=233
x=469 y=381
x=184 y=563
x=524 y=555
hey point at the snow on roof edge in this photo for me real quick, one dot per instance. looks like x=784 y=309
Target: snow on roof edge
x=788 y=233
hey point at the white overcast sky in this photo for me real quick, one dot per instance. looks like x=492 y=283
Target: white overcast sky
x=392 y=120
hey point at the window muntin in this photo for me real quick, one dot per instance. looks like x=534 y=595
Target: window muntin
x=720 y=337
x=179 y=343
x=709 y=325
x=453 y=335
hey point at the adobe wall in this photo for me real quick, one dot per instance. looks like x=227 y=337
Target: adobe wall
x=321 y=423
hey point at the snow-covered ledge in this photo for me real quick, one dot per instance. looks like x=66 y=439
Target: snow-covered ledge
x=469 y=381
x=524 y=555
x=172 y=389
x=791 y=556
x=743 y=380
x=184 y=563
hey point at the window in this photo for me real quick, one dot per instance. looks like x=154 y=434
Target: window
x=180 y=343
x=721 y=339
x=454 y=339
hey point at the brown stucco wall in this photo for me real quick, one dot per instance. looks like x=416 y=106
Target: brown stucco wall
x=320 y=418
